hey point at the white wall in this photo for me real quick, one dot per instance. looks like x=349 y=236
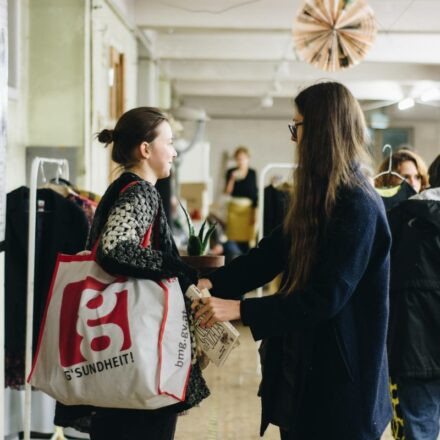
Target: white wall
x=17 y=110
x=426 y=138
x=268 y=141
x=56 y=73
x=15 y=148
x=108 y=30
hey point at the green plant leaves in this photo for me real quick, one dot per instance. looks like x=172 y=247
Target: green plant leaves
x=205 y=241
x=194 y=246
x=188 y=220
x=197 y=244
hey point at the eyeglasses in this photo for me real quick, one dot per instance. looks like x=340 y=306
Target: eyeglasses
x=294 y=130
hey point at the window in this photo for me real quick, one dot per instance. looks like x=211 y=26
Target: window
x=396 y=137
x=116 y=84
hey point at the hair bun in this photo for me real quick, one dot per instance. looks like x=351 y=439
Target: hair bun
x=105 y=136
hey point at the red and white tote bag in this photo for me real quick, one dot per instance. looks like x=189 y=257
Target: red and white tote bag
x=107 y=341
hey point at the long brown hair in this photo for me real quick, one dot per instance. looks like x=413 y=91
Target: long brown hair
x=332 y=146
x=397 y=158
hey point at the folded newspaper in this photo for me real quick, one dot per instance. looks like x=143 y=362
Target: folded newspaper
x=218 y=341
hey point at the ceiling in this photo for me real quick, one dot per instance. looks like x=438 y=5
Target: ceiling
x=227 y=55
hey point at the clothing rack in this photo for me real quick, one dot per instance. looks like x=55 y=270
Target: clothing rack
x=263 y=174
x=37 y=165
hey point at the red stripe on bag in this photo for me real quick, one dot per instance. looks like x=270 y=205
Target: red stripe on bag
x=162 y=329
x=43 y=322
x=129 y=185
x=147 y=237
x=146 y=241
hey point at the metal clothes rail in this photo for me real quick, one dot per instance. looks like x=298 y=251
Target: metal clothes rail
x=261 y=186
x=37 y=165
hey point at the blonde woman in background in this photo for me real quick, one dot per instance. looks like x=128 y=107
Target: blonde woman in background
x=241 y=185
x=410 y=166
x=414 y=170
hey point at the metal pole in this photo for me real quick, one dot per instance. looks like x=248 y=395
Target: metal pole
x=30 y=279
x=263 y=174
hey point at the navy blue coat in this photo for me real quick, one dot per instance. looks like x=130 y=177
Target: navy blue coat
x=324 y=362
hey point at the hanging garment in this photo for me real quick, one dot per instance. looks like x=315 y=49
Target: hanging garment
x=393 y=196
x=86 y=205
x=415 y=288
x=67 y=190
x=65 y=187
x=61 y=226
x=276 y=200
x=93 y=197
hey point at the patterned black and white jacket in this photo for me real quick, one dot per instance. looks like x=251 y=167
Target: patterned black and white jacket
x=120 y=224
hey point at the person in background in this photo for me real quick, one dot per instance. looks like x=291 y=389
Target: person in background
x=241 y=184
x=143 y=147
x=324 y=362
x=414 y=329
x=410 y=166
x=394 y=191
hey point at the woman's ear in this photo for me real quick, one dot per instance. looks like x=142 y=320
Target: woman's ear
x=144 y=150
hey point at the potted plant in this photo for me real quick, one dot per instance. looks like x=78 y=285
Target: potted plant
x=198 y=245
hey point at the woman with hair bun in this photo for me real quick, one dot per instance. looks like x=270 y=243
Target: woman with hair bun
x=143 y=146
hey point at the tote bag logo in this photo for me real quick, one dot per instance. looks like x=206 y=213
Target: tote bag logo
x=93 y=320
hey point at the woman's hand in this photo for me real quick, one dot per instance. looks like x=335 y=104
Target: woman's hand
x=214 y=310
x=204 y=283
x=230 y=184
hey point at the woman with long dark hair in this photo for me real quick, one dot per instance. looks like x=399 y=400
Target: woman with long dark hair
x=324 y=363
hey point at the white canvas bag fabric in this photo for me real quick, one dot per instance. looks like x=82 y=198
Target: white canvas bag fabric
x=107 y=341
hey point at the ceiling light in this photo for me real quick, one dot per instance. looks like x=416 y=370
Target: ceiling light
x=430 y=95
x=284 y=69
x=406 y=103
x=379 y=120
x=276 y=86
x=267 y=101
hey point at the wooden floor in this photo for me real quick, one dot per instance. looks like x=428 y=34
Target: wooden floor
x=232 y=412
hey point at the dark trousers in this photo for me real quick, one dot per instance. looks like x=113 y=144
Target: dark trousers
x=130 y=425
x=243 y=246
x=285 y=436
x=420 y=405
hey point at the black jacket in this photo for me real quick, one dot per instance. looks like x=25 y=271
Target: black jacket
x=62 y=227
x=276 y=202
x=414 y=347
x=325 y=370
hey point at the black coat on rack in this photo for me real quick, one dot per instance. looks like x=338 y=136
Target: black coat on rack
x=276 y=202
x=61 y=227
